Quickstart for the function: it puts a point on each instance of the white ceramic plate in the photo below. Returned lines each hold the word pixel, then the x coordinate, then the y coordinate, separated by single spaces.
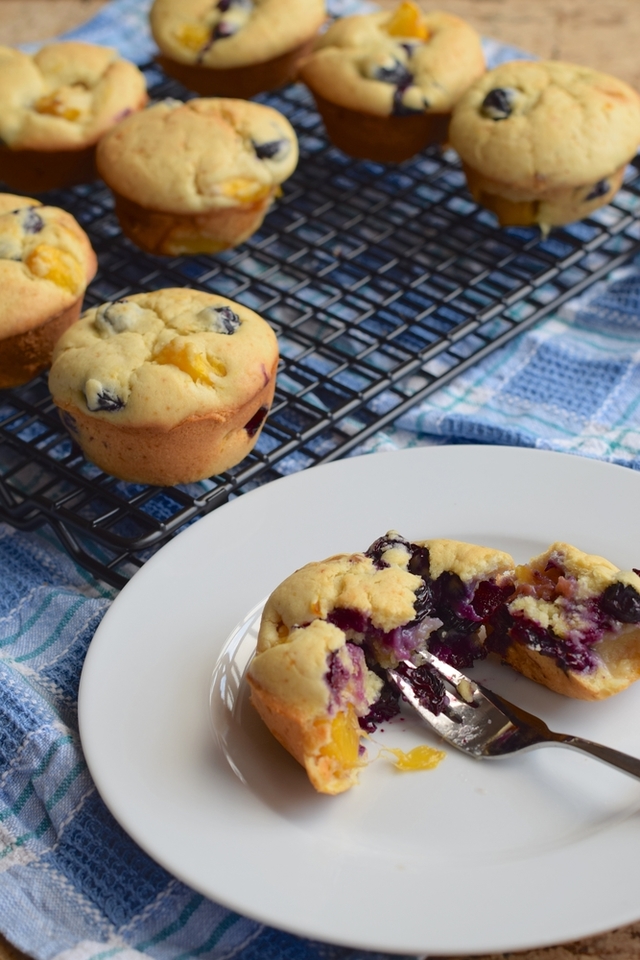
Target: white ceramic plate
pixel 470 857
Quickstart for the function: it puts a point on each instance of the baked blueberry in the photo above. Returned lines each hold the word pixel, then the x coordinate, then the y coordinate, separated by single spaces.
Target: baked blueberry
pixel 396 73
pixel 224 29
pixel 256 421
pixel 601 188
pixel 273 149
pixel 32 222
pixel 99 397
pixel 622 602
pixel 219 320
pixel 118 316
pixel 498 103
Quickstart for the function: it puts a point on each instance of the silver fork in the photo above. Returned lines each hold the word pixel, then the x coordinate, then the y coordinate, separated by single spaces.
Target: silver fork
pixel 485 725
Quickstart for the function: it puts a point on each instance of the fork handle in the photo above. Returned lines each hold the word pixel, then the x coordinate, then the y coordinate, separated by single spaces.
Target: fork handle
pixel 623 761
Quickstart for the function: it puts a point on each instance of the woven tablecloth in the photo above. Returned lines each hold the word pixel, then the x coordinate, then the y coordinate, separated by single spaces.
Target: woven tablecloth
pixel 73 885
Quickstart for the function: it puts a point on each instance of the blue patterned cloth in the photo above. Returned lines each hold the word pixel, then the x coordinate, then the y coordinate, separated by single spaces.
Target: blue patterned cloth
pixel 571 383
pixel 72 884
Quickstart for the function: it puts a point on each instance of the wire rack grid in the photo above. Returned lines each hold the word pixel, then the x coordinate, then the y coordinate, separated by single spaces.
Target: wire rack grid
pixel 382 282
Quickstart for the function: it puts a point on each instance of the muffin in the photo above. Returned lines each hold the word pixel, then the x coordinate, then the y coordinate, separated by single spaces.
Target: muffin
pixel 329 630
pixel 54 107
pixel 46 262
pixel 385 83
pixel 196 177
pixel 166 387
pixel 545 143
pixel 573 624
pixel 234 48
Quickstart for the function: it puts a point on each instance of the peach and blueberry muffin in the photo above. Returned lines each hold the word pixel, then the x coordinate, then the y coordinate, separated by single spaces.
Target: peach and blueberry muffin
pixel 385 83
pixel 46 262
pixel 234 48
pixel 166 387
pixel 545 142
pixel 330 629
pixel 196 177
pixel 573 624
pixel 55 105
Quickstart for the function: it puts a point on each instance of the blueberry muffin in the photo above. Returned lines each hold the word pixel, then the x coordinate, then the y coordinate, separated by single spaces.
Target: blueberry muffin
pixel 46 262
pixel 54 107
pixel 545 143
pixel 234 48
pixel 196 177
pixel 573 624
pixel 329 630
pixel 385 83
pixel 166 387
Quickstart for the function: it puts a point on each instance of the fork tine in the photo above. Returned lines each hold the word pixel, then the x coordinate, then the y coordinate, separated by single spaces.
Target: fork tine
pixel 472 721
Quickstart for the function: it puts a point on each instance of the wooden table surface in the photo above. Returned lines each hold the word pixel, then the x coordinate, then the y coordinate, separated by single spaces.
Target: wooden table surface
pixel 604 34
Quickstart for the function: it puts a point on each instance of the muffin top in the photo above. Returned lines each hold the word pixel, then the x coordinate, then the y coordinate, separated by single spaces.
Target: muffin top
pixel 46 262
pixel 191 157
pixel 347 581
pixel 159 359
pixel 395 63
pixel 65 96
pixel 233 33
pixel 467 560
pixel 542 125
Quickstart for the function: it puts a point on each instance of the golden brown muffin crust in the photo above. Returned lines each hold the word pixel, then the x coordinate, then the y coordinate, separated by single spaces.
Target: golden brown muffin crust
pixel 46 262
pixel 566 126
pixel 254 30
pixel 164 358
pixel 353 56
pixel 188 158
pixel 65 96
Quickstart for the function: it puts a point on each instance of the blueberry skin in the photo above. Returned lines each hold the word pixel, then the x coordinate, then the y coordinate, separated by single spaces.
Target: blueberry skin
pixel 498 103
pixel 223 30
pixel 272 149
pixel 107 400
pixel 256 421
pixel 621 602
pixel 601 188
pixel 32 222
pixel 221 320
pixel 397 74
pixel 399 108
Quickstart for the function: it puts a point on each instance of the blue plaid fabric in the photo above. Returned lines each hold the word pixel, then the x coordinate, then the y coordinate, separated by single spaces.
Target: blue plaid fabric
pixel 72 883
pixel 572 384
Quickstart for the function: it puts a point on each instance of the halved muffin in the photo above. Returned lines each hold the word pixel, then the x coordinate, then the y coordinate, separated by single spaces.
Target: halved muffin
pixel 573 624
pixel 329 630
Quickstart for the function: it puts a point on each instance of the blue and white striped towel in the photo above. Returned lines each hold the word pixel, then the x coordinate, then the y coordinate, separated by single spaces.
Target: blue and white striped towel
pixel 72 884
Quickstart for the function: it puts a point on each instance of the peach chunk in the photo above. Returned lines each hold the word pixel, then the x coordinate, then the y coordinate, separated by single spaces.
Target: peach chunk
pixel 245 190
pixel 344 745
pixel 407 21
pixel 193 35
pixel 55 106
pixel 58 266
pixel 193 361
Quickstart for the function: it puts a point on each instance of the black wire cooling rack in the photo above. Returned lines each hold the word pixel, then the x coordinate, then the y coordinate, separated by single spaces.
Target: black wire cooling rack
pixel 381 282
